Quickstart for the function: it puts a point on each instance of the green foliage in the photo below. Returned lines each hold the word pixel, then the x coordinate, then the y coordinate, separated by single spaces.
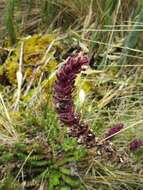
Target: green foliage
pixel 44 155
pixel 8 183
pixel 6 157
pixel 9 20
pixel 69 144
pixel 109 7
pixel 54 179
pixel 51 159
pixel 133 38
pixel 48 11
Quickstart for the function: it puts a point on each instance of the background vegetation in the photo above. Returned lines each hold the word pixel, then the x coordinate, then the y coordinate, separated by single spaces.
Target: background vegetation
pixel 35 37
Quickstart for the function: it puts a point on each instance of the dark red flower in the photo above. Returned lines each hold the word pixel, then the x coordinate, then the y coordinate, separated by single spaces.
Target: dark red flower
pixel 117 127
pixel 135 144
pixel 63 88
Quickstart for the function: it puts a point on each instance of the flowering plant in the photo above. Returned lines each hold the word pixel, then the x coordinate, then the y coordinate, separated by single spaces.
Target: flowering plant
pixel 63 88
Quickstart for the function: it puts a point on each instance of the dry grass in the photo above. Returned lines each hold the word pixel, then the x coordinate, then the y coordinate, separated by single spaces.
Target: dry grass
pixel 109 93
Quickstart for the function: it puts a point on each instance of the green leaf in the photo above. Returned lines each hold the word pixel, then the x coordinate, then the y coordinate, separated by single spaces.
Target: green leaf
pixel 79 153
pixel 133 38
pixel 20 145
pixel 70 181
pixel 69 144
pixel 6 157
pixel 38 163
pixel 9 20
pixel 54 179
pixel 65 188
pixel 66 171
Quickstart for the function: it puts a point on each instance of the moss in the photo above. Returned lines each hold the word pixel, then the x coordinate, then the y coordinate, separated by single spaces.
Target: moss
pixel 11 67
pixel 34 59
pixel 1 70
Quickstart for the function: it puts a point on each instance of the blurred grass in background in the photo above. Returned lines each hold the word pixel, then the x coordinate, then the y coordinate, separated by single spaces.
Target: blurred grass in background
pixel 104 25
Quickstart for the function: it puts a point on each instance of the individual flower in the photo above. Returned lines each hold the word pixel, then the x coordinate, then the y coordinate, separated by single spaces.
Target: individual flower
pixel 112 131
pixel 135 144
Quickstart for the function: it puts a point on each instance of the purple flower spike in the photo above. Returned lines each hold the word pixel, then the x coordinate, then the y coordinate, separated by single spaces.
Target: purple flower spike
pixel 63 88
pixel 117 127
pixel 135 144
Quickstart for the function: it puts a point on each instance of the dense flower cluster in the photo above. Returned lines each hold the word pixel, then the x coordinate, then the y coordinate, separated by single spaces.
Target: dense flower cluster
pixel 64 104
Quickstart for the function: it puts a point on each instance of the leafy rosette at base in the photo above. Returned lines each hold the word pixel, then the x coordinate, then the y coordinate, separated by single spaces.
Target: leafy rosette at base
pixel 64 105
